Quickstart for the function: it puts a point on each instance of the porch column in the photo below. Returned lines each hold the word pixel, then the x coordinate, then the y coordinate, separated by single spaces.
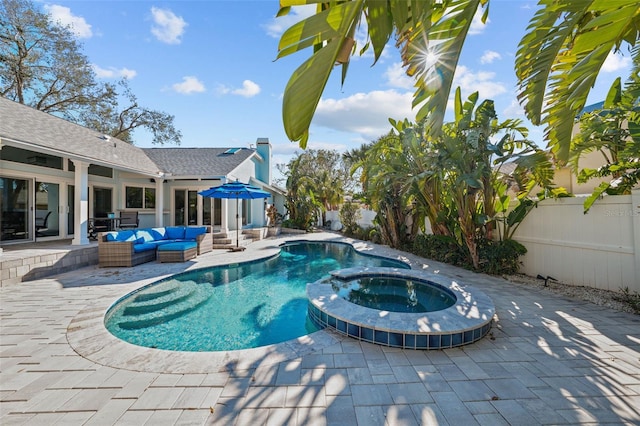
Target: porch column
pixel 159 202
pixel 81 210
pixel 224 215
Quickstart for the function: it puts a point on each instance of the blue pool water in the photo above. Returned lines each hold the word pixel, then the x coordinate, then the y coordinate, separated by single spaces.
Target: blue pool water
pixel 235 306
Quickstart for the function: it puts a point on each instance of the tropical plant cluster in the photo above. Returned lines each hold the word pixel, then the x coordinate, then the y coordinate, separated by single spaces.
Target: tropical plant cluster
pixel 473 184
pixel 315 182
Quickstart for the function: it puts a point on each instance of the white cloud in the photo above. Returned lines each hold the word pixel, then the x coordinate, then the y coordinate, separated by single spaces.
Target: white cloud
pixel 397 77
pixel 168 28
pixel 330 146
pixel 76 24
pixel 483 82
pixel 249 89
pixel 513 110
pixel 113 72
pixel 365 113
pixel 278 25
pixel 189 85
pixel 489 56
pixel 615 62
pixel 477 26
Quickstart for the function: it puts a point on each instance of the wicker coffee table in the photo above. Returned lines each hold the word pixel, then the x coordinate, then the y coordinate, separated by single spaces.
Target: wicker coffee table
pixel 177 252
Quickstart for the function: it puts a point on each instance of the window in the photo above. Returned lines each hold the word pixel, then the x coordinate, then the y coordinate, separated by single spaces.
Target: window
pixel 9 153
pixel 94 170
pixel 138 197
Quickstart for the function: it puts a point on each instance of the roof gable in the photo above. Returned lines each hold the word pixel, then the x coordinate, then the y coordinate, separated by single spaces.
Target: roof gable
pixel 28 128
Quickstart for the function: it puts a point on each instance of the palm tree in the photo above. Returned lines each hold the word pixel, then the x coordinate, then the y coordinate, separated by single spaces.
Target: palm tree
pixel 383 174
pixel 558 59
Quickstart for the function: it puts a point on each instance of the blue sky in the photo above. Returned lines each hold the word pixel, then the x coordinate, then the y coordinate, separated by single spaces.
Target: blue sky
pixel 212 65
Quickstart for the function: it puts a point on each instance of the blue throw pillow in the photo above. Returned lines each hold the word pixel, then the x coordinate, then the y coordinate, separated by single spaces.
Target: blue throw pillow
pixel 192 232
pixel 158 233
pixel 111 236
pixel 126 236
pixel 145 234
pixel 175 232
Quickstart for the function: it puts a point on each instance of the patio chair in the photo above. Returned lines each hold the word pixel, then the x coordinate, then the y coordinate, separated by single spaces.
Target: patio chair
pixel 42 219
pixel 129 220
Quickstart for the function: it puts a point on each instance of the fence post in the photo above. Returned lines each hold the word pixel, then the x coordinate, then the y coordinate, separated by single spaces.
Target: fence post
pixel 635 215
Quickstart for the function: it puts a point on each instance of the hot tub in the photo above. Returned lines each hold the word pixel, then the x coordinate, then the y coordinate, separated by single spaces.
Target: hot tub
pixel 465 321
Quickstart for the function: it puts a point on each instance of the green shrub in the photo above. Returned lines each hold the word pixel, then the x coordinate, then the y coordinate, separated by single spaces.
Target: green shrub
pixel 500 257
pixel 496 257
pixel 349 215
pixel 441 248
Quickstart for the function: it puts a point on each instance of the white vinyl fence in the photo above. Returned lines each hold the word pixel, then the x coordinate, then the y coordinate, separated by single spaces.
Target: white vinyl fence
pixel 600 249
pixel 365 220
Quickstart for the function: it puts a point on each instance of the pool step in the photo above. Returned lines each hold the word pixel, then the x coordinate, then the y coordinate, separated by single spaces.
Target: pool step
pixel 179 303
pixel 143 297
pixel 170 297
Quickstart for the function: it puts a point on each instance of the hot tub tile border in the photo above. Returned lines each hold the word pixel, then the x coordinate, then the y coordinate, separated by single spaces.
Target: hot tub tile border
pixel 399 330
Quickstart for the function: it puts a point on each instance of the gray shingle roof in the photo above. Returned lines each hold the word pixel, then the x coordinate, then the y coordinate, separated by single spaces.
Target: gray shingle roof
pixel 41 131
pixel 198 162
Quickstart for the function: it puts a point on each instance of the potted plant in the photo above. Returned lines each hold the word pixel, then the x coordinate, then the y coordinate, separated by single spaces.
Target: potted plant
pixel 275 220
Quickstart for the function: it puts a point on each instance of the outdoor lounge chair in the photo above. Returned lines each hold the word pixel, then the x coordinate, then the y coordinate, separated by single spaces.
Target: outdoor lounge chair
pixel 129 220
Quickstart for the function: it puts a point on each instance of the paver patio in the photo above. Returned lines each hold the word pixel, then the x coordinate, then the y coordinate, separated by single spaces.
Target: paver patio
pixel 548 360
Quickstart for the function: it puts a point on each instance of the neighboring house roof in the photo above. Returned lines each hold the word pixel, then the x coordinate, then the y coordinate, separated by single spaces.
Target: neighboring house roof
pixel 591 108
pixel 28 128
pixel 204 163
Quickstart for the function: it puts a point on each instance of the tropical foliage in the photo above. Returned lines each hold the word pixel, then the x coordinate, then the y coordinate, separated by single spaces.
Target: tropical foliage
pixel 456 180
pixel 429 35
pixel 557 62
pixel 614 132
pixel 315 182
pixel 559 58
pixel 42 65
pixel 349 215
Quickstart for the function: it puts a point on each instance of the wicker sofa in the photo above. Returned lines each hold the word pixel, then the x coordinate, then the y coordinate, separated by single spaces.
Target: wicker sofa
pixel 133 247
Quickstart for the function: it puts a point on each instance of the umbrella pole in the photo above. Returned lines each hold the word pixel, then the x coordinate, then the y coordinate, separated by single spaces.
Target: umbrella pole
pixel 237 223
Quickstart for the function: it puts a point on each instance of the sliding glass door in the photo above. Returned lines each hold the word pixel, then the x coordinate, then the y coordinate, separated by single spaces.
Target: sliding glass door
pixel 47 216
pixel 185 204
pixel 15 204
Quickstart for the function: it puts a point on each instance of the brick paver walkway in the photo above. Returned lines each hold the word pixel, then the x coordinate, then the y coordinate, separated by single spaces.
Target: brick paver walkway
pixel 548 360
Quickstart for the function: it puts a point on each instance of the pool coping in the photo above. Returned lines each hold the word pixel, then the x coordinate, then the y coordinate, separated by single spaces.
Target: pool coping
pixel 466 321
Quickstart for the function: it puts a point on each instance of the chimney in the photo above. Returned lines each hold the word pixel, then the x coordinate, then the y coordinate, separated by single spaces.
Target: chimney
pixel 263 148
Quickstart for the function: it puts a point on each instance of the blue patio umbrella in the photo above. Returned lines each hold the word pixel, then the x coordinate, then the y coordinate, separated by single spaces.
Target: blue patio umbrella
pixel 235 190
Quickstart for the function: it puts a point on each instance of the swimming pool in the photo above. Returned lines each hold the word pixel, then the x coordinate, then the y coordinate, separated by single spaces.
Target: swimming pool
pixel 233 307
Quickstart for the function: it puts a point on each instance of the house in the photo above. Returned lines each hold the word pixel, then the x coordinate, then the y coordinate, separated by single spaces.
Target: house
pixel 56 176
